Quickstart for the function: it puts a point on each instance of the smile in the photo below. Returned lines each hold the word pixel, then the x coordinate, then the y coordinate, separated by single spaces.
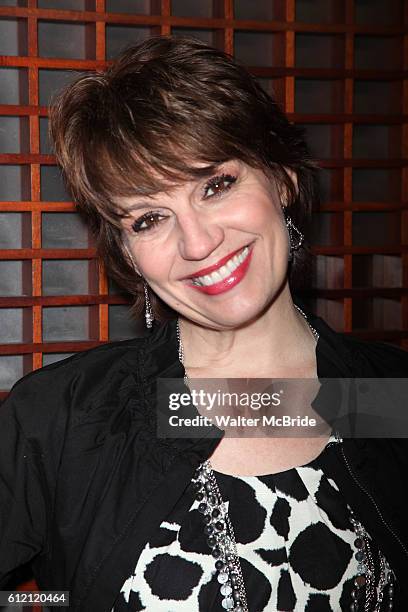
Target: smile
pixel 226 276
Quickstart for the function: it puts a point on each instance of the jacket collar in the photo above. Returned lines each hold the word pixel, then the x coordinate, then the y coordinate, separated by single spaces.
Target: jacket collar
pixel 334 357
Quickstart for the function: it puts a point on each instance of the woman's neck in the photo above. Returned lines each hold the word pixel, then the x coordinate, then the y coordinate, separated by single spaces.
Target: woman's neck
pixel 278 343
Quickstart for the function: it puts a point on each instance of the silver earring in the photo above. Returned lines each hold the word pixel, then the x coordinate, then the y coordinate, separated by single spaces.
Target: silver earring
pixel 148 307
pixel 133 261
pixel 295 241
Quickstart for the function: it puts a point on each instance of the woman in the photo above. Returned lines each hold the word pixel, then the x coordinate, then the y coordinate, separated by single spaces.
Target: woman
pixel 197 189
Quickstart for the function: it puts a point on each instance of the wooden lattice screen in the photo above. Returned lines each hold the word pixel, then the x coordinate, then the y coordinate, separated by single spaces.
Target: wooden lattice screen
pixel 338 67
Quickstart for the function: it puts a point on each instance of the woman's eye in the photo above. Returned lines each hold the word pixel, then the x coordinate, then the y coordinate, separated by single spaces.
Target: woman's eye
pixel 146 222
pixel 218 185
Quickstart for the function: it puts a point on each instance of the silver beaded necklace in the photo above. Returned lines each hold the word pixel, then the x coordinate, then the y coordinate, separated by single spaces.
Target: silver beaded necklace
pixel 221 539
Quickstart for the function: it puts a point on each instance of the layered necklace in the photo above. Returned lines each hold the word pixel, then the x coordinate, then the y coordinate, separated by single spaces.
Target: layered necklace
pixel 367 594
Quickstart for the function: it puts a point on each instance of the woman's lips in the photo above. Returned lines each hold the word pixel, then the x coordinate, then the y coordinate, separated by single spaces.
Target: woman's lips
pixel 217 266
pixel 226 283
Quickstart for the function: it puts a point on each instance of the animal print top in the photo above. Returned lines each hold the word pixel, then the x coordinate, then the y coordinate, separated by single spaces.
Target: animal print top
pixel 294 539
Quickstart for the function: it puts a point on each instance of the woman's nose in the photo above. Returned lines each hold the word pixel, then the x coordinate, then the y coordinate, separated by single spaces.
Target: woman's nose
pixel 198 238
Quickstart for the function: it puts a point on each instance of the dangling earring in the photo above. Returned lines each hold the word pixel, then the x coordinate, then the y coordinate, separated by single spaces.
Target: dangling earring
pixel 294 241
pixel 148 307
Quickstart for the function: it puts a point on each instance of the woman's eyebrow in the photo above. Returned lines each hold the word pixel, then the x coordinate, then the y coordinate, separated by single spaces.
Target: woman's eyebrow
pixel 139 205
pixel 150 203
pixel 206 171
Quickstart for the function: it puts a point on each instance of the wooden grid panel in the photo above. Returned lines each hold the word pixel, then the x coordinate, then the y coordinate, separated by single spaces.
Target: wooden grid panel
pixel 320 64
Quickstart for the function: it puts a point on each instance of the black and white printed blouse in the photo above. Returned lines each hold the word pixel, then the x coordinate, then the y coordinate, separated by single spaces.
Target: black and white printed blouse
pixel 294 539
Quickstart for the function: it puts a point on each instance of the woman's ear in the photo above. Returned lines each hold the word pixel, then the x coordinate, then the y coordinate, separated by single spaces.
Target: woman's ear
pixel 284 193
pixel 293 178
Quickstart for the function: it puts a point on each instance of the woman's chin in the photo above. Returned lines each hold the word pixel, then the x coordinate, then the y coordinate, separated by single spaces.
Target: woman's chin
pixel 237 314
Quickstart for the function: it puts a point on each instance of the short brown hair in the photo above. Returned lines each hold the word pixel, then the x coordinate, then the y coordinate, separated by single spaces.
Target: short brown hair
pixel 162 106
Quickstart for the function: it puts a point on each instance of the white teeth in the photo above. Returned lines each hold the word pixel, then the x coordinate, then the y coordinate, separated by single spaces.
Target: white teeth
pixel 216 276
pixel 243 255
pixel 231 265
pixel 223 272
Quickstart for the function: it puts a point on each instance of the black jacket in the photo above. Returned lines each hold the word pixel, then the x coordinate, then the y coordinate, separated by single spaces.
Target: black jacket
pixel 85 480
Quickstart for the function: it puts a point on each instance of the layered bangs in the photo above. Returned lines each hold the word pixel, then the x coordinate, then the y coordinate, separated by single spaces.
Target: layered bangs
pixel 141 129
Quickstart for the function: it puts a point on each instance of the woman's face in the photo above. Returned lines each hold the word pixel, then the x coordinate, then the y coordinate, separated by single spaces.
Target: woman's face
pixel 214 249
